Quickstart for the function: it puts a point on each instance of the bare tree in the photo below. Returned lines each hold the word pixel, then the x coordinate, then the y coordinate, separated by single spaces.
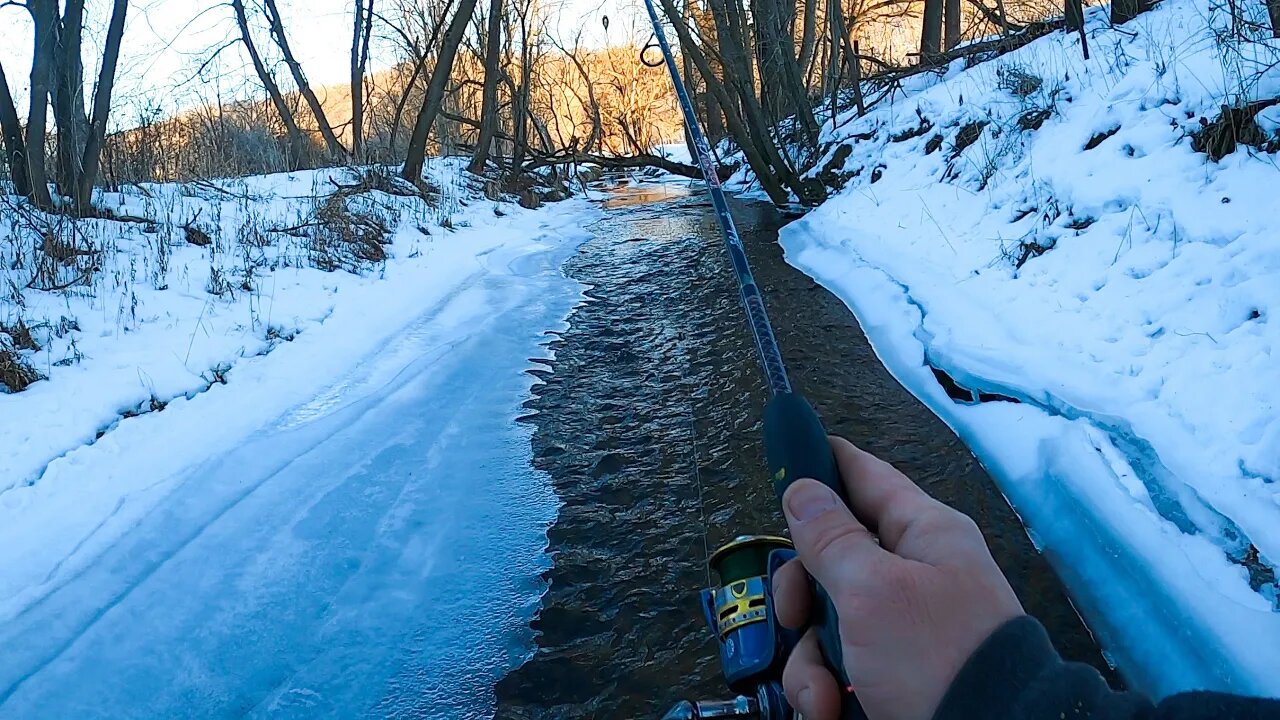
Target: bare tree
pixel 521 90
pixel 784 94
pixel 15 148
pixel 44 15
pixel 931 31
pixel 361 32
pixel 744 117
pixel 416 156
pixel 276 23
pixel 432 18
pixel 835 36
pixel 69 114
pixel 809 36
pixel 951 24
pixel 90 158
pixel 489 102
pixel 1000 11
pixel 57 73
pixel 299 149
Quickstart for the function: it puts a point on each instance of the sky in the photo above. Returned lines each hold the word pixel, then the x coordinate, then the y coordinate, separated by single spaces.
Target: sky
pixel 166 40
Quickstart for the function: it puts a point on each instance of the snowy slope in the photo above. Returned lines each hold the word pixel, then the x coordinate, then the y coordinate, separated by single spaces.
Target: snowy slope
pixel 282 541
pixel 1039 227
pixel 165 319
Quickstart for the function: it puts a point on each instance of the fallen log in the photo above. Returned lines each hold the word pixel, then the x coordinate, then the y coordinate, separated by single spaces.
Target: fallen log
pixel 626 162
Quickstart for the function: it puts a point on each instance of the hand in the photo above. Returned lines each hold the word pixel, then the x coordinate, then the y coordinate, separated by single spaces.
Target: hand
pixel 913 606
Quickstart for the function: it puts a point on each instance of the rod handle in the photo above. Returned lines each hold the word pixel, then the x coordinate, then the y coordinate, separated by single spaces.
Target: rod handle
pixel 796 446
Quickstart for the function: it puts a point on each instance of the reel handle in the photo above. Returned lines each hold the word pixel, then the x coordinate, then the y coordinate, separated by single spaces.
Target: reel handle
pixel 796 446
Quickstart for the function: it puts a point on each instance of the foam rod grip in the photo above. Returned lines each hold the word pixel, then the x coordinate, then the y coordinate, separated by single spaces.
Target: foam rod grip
pixel 796 446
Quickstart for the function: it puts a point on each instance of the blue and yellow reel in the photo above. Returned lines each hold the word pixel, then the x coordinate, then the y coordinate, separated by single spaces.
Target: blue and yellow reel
pixel 753 646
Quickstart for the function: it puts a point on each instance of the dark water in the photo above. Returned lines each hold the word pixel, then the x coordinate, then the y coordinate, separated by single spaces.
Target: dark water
pixel 649 423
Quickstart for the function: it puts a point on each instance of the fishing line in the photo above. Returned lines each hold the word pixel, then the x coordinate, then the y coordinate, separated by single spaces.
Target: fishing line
pixel 702 501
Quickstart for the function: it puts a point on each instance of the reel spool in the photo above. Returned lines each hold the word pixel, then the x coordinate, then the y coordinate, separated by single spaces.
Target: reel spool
pixel 753 645
pixel 739 612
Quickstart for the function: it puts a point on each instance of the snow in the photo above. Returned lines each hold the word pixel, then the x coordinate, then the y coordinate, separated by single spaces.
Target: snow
pixel 289 542
pixel 150 327
pixel 1145 450
pixel 676 152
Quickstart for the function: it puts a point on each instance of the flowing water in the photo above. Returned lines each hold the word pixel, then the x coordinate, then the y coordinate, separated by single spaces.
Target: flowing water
pixel 649 425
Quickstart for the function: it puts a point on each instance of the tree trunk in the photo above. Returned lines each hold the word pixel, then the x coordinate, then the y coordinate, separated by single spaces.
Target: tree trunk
pixel 416 156
pixel 1004 17
pixel 784 93
pixel 808 38
pixel 418 68
pixel 1273 12
pixel 751 145
pixel 691 86
pixel 856 62
pixel 715 118
pixel 300 79
pixel 1122 11
pixel 297 142
pixel 90 159
pixel 15 149
pixel 1073 14
pixel 397 118
pixel 360 33
pixel 597 125
pixel 736 63
pixel 521 114
pixel 489 100
pixel 44 15
pixel 68 100
pixel 951 19
pixel 835 69
pixel 931 32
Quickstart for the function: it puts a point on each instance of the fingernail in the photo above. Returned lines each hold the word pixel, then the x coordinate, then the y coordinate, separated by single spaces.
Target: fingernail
pixel 807 499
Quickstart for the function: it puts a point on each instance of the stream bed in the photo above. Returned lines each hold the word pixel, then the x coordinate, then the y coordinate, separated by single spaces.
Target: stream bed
pixel 648 422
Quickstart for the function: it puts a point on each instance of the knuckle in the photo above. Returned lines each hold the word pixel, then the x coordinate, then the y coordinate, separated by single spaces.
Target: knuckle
pixel 962 533
pixel 942 521
pixel 964 525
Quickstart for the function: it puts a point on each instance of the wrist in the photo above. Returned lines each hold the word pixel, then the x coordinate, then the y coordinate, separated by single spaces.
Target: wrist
pixel 992 680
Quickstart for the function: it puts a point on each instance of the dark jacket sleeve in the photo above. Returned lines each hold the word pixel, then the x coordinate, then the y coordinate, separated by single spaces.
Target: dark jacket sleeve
pixel 1017 675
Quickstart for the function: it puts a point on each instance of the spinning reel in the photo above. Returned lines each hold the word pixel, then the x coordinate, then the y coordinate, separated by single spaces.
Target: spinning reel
pixel 753 646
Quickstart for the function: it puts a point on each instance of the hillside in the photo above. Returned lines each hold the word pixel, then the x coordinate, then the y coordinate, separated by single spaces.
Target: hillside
pixel 1062 261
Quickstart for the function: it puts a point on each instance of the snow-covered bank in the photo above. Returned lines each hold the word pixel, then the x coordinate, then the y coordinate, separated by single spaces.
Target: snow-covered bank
pixel 1040 227
pixel 166 313
pixel 284 539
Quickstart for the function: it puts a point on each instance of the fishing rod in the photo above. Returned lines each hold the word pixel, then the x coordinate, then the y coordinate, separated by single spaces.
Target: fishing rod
pixel 753 645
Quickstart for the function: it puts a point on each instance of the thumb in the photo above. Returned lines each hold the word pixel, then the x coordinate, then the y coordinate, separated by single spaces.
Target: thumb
pixel 835 548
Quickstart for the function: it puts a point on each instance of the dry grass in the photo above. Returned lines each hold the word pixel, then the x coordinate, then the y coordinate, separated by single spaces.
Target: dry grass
pixel 1234 126
pixel 344 237
pixel 16 374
